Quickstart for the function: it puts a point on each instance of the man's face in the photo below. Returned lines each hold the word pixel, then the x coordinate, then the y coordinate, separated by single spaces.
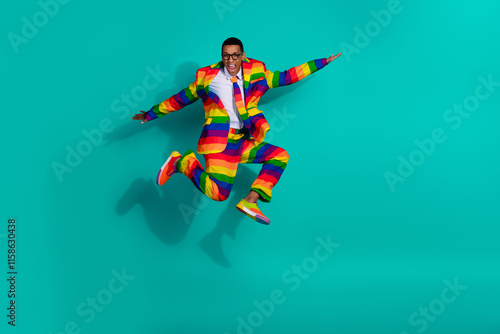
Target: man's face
pixel 232 66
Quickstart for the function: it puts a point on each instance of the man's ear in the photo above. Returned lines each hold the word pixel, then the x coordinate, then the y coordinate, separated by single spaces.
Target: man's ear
pixel 243 55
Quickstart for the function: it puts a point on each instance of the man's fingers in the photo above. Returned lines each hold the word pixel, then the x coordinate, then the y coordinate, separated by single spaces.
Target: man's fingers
pixel 139 116
pixel 332 57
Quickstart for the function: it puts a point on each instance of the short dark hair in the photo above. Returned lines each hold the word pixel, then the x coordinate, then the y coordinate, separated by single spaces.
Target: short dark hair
pixel 232 41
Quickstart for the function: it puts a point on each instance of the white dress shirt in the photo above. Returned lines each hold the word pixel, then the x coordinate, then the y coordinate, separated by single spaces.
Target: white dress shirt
pixel 222 86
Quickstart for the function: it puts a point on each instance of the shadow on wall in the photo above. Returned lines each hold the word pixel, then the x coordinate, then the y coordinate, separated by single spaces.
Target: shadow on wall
pixel 160 206
pixel 180 127
pixel 230 218
pixel 164 216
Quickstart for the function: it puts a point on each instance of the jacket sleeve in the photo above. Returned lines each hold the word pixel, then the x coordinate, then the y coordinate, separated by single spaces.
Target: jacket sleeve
pixel 288 77
pixel 175 102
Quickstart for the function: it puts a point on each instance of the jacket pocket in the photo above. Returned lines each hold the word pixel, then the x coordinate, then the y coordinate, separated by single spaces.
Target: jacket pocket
pixel 253 111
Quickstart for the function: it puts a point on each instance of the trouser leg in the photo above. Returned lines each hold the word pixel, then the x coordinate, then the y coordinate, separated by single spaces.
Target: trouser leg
pixel 217 180
pixel 274 160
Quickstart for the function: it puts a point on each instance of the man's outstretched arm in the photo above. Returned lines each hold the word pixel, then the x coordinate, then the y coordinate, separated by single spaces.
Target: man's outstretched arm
pixel 176 102
pixel 295 74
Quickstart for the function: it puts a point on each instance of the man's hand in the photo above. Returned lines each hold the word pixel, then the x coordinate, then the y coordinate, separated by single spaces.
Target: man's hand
pixel 332 57
pixel 141 116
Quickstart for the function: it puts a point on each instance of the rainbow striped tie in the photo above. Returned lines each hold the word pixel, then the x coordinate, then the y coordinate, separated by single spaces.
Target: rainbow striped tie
pixel 237 96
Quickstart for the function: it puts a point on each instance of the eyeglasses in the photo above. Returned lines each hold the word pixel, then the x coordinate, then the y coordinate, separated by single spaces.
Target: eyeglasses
pixel 235 56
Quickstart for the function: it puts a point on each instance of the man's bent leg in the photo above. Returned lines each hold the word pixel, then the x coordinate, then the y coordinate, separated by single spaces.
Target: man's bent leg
pixel 217 181
pixel 274 160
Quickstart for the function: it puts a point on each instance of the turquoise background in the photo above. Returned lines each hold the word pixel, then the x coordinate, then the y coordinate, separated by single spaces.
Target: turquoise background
pixel 344 128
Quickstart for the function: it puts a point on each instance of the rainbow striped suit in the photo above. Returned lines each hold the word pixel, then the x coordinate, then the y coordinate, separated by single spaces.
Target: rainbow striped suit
pixel 224 148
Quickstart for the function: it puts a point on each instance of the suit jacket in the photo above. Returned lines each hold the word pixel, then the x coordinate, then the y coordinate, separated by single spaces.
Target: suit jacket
pixel 257 81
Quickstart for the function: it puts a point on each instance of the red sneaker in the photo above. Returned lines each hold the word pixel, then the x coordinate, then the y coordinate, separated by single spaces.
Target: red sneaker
pixel 168 169
pixel 252 211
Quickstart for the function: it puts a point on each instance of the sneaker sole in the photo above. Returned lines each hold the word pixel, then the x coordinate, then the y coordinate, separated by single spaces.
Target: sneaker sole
pixel 161 171
pixel 258 218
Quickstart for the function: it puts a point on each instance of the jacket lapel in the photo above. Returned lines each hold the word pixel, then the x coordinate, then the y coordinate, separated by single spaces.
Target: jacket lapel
pixel 247 70
pixel 214 70
pixel 209 76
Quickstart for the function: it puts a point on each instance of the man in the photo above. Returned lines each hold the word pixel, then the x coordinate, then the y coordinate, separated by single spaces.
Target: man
pixel 234 128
